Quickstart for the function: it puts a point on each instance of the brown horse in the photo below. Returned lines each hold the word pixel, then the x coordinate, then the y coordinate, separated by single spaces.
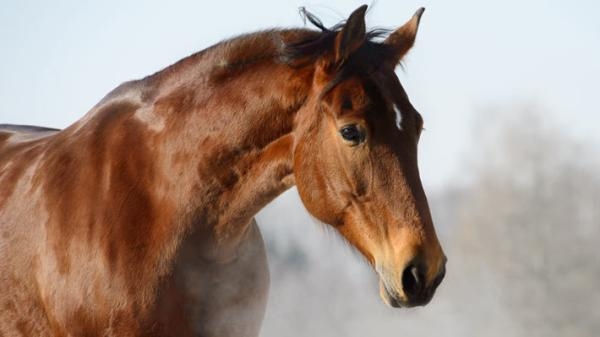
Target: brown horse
pixel 133 220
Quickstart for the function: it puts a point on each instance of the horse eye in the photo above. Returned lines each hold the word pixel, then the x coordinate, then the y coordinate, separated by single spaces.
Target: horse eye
pixel 352 134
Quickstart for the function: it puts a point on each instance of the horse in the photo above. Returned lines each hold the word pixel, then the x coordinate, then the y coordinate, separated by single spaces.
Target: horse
pixel 137 220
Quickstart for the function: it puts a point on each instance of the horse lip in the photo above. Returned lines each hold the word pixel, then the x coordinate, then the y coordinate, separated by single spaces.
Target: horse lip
pixel 394 299
pixel 391 298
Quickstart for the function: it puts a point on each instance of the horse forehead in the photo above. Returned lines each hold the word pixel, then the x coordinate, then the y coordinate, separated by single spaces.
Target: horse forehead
pixel 351 87
pixel 394 95
pixel 355 90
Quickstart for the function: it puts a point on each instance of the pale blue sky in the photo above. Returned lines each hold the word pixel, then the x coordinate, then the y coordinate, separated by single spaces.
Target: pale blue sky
pixel 60 57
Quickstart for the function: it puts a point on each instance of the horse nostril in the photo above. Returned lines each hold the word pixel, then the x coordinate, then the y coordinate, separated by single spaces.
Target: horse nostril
pixel 412 281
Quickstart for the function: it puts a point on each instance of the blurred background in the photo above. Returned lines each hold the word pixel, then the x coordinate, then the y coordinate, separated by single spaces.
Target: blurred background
pixel 509 159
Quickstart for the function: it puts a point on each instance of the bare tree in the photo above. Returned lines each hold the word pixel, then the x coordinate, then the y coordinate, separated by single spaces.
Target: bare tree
pixel 531 218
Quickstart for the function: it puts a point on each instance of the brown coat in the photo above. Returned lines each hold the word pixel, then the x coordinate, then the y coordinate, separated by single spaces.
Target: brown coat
pixel 104 224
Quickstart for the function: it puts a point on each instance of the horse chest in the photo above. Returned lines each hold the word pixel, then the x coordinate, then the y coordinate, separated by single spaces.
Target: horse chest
pixel 219 299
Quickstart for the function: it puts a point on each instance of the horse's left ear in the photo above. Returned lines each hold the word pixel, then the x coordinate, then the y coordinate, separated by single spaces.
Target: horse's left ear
pixel 403 38
pixel 352 35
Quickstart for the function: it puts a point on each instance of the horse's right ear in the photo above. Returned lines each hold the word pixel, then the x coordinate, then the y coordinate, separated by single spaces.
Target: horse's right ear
pixel 351 37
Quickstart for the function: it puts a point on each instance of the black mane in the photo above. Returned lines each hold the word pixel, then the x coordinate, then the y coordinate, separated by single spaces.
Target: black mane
pixel 365 60
pixel 299 47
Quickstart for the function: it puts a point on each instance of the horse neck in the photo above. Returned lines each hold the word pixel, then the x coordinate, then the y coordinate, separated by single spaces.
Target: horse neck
pixel 228 138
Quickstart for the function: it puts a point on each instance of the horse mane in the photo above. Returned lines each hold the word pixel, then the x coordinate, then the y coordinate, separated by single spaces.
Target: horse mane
pixel 367 59
pixel 295 47
pixel 316 45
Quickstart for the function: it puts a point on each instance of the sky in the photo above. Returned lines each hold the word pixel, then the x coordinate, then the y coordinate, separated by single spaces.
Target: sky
pixel 60 57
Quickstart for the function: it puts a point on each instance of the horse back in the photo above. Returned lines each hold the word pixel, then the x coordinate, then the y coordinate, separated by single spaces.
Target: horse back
pixel 20 148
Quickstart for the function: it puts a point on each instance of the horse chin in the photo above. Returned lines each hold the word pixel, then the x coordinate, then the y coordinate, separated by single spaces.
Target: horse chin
pixel 388 298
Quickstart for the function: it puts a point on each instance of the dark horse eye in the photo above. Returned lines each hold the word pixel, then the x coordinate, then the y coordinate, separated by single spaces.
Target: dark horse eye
pixel 352 134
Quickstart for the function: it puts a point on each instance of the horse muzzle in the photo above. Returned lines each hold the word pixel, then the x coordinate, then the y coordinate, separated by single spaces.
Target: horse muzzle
pixel 413 290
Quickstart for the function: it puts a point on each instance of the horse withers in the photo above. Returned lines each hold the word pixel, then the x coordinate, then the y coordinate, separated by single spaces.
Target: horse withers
pixel 130 221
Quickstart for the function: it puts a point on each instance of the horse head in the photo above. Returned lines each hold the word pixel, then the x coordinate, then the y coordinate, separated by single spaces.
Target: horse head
pixel 355 156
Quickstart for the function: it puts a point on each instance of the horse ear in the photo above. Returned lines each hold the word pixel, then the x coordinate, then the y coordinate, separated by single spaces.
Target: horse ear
pixel 402 39
pixel 352 35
